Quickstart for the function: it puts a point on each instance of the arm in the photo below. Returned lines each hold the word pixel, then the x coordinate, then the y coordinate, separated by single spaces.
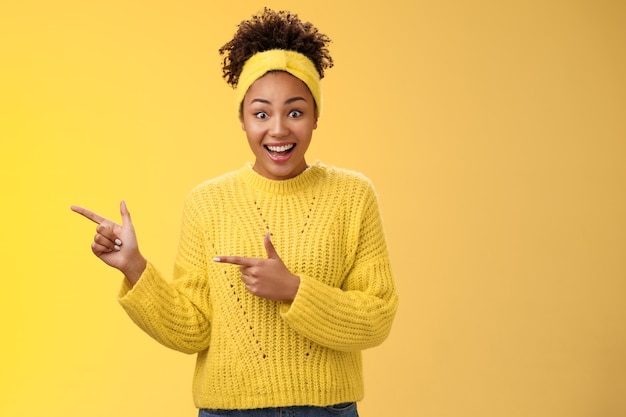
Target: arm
pixel 358 315
pixel 171 314
pixel 176 314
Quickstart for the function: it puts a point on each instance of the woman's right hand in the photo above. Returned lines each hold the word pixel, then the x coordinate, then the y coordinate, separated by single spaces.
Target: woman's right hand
pixel 116 245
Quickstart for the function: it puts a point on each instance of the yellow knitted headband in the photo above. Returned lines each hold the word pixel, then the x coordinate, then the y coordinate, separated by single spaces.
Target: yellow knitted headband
pixel 292 62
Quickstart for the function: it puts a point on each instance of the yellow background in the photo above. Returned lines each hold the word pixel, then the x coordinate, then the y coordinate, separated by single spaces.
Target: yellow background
pixel 494 131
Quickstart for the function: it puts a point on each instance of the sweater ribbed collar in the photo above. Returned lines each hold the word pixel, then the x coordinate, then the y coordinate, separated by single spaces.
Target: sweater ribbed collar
pixel 308 178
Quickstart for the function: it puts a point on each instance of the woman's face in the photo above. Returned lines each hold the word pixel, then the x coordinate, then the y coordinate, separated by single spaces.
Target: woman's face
pixel 279 117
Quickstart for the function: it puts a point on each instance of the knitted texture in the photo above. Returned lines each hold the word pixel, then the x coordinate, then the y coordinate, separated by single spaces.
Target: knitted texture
pixel 252 352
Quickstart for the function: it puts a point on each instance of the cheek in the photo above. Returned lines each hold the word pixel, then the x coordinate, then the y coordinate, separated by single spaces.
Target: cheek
pixel 307 131
pixel 252 131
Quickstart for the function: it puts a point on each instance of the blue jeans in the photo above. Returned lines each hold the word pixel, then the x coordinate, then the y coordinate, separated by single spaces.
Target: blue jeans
pixel 338 410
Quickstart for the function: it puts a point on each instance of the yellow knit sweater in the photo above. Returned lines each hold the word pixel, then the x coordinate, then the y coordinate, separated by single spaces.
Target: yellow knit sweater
pixel 255 353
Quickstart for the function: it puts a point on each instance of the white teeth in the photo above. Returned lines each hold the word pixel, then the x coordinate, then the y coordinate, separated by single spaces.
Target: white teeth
pixel 282 148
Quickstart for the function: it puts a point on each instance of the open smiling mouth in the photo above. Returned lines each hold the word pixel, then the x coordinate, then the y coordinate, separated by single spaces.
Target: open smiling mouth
pixel 278 152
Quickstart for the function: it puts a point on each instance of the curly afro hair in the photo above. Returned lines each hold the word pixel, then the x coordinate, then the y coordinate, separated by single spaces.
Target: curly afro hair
pixel 274 30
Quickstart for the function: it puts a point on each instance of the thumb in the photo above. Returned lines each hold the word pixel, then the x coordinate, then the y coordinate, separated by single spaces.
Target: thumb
pixel 269 247
pixel 125 214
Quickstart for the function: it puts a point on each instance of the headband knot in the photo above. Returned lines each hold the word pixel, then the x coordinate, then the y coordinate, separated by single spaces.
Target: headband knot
pixel 295 63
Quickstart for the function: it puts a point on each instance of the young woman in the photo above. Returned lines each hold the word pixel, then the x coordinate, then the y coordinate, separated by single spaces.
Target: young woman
pixel 282 276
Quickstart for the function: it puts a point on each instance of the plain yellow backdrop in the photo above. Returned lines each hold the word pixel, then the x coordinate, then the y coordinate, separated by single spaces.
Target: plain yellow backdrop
pixel 494 131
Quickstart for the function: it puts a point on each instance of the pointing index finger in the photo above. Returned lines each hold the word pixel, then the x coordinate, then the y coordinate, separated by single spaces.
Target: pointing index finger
pixel 94 217
pixel 235 260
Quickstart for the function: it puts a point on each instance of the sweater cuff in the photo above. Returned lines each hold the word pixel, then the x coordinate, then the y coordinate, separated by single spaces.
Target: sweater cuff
pixel 128 292
pixel 311 296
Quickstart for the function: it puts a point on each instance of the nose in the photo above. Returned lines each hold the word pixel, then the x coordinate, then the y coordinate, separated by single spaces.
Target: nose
pixel 279 127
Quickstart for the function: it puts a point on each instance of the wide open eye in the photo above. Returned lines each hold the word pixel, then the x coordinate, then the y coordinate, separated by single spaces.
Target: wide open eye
pixel 295 113
pixel 261 115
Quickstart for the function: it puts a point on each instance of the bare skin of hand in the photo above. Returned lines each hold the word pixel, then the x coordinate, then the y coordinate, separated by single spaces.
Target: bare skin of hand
pixel 266 278
pixel 115 244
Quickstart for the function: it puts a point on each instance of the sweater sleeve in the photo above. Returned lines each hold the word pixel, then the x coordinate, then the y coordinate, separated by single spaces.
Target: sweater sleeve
pixel 358 315
pixel 175 314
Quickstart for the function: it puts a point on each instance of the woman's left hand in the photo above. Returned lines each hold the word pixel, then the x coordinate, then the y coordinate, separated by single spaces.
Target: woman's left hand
pixel 267 278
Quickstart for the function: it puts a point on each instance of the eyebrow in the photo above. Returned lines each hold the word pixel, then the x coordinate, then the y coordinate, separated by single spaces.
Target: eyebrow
pixel 288 101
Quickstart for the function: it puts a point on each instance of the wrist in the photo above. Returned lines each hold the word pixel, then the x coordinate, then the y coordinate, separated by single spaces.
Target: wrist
pixel 293 290
pixel 135 270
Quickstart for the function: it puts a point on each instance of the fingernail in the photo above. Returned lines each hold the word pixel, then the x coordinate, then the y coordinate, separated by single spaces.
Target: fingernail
pixel 217 260
pixel 118 242
pixel 117 247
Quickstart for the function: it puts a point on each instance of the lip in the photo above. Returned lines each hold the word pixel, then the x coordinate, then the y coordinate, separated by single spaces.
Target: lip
pixel 280 158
